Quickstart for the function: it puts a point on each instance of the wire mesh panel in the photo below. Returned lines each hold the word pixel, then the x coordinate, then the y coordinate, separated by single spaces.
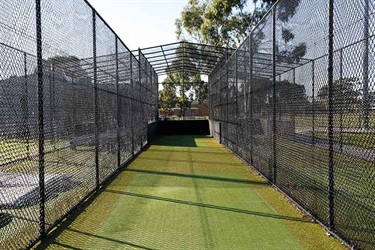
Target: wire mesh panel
pixel 125 92
pixel 70 100
pixel 136 105
pixel 143 90
pixel 68 105
pixel 262 97
pixel 301 162
pixel 353 121
pixel 18 213
pixel 307 120
pixel 18 131
pixel 242 105
pixel 107 98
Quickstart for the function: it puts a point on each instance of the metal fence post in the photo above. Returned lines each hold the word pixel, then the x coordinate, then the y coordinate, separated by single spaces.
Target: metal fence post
pixel 251 53
pixel 96 101
pixel 26 110
pixel 236 98
pixel 52 103
pixel 39 44
pixel 341 102
pixel 274 137
pixel 132 101
pixel 365 72
pixel 330 118
pixel 118 103
pixel 140 87
pixel 313 102
pixel 74 113
pixel 156 82
pixel 226 133
pixel 220 134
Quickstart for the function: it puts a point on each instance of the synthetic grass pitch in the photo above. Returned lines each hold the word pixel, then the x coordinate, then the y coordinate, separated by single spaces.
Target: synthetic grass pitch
pixel 188 192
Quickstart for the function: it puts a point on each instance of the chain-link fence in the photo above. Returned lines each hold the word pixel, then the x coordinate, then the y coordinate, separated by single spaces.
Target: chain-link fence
pixel 297 102
pixel 75 105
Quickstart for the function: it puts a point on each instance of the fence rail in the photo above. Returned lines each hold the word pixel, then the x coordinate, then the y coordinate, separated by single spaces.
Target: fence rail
pixel 297 102
pixel 75 106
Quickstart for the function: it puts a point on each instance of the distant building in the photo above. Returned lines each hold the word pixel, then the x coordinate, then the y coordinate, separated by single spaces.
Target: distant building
pixel 196 109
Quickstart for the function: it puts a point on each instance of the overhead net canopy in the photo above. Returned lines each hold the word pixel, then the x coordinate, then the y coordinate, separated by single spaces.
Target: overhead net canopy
pixel 202 58
pixel 184 56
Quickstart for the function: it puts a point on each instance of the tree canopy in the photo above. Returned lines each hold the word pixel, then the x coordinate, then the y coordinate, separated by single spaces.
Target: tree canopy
pixel 218 22
pixel 227 23
pixel 181 88
pixel 168 95
pixel 346 94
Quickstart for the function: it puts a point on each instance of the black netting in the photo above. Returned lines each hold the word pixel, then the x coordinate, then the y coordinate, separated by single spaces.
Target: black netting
pixel 272 103
pixel 76 104
pixel 96 108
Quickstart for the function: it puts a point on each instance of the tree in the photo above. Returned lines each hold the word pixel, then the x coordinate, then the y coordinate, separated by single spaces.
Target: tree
pixel 186 81
pixel 67 67
pixel 290 97
pixel 185 86
pixel 167 97
pixel 218 22
pixel 226 23
pixel 201 92
pixel 346 94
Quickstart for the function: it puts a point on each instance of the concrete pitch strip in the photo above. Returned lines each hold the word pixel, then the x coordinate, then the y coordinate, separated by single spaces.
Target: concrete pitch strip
pixel 22 190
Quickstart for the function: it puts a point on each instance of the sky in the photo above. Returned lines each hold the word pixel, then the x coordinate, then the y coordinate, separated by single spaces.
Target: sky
pixel 141 23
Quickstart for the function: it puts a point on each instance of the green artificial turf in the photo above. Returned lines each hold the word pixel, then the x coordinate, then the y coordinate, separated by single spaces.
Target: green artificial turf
pixel 189 192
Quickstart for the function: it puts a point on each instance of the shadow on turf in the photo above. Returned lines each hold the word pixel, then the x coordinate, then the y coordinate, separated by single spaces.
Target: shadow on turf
pixel 205 177
pixel 51 239
pixel 177 140
pixel 213 163
pixel 216 152
pixel 101 238
pixel 203 205
pixel 65 222
pixel 5 219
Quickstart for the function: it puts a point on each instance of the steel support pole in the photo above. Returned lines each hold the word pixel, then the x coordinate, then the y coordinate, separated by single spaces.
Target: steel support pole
pixel 330 117
pixel 26 109
pixel 313 102
pixel 118 103
pixel 96 102
pixel 274 127
pixel 236 97
pixel 52 104
pixel 342 101
pixel 74 115
pixel 227 99
pixel 220 134
pixel 39 44
pixel 132 102
pixel 365 72
pixel 140 88
pixel 251 54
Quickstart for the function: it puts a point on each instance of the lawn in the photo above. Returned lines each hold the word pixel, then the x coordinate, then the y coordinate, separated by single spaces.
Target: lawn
pixel 189 192
pixel 349 120
pixel 363 140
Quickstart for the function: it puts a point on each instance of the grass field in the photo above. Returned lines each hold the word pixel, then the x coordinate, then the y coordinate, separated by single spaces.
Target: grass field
pixel 189 193
pixel 349 120
pixel 363 140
